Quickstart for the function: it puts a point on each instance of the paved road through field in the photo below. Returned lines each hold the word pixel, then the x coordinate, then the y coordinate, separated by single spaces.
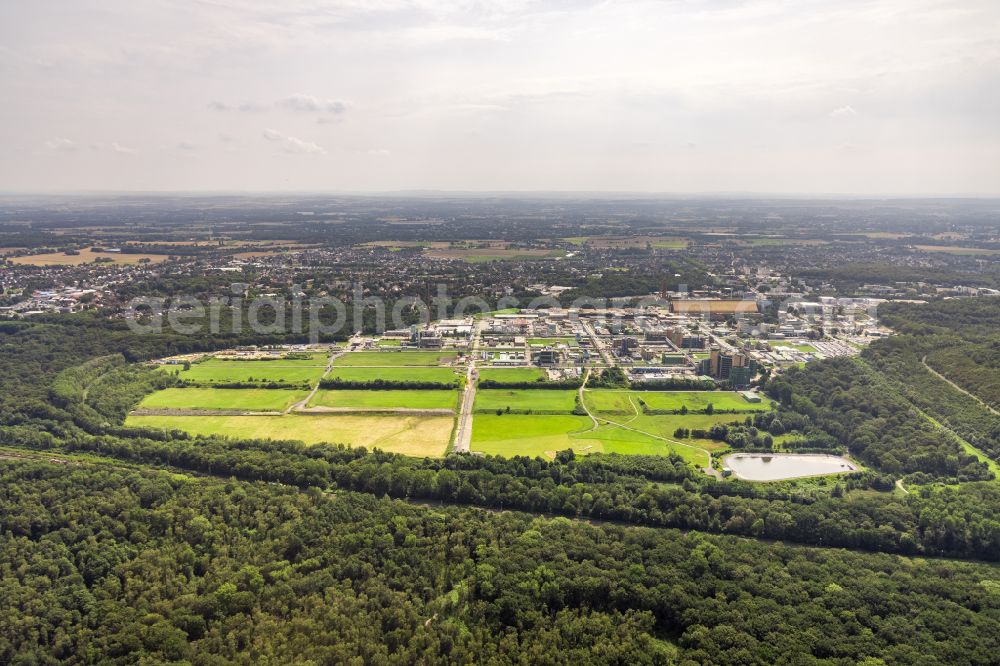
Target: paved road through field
pixel 463 431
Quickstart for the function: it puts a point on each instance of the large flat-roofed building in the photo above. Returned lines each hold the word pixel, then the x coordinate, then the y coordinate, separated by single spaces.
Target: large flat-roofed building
pixel 713 308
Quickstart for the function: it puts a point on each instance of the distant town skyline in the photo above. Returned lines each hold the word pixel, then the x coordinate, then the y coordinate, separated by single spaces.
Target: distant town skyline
pixel 820 97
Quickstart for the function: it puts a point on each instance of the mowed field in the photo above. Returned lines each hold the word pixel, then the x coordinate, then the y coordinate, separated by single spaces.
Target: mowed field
pixel 256 400
pixel 521 435
pixel 538 400
pixel 86 256
pixel 627 402
pixel 483 255
pixel 408 435
pixel 395 374
pixel 541 342
pixel 543 436
pixel 385 399
pixel 952 249
pixel 395 359
pixel 214 371
pixel 622 242
pixel 512 374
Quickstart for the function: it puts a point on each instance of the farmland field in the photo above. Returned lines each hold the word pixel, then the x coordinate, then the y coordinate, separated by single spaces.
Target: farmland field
pixel 386 399
pixel 599 400
pixel 85 257
pixel 664 426
pixel 629 442
pixel 539 400
pixel 476 255
pixel 952 249
pixel 531 435
pixel 409 435
pixel 395 374
pixel 512 374
pixel 221 398
pixel 395 359
pixel 519 435
pixel 622 242
pixel 221 372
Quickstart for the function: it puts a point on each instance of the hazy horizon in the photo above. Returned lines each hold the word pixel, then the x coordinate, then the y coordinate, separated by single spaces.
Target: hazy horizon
pixel 823 98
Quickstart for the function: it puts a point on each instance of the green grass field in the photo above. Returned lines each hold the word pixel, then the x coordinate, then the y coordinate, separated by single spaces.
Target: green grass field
pixel 316 359
pixel 389 342
pixel 223 372
pixel 396 374
pixel 665 425
pixel 253 400
pixel 386 399
pixel 520 435
pixel 512 374
pixel 553 341
pixel 409 435
pixel 539 400
pixel 395 359
pixel 482 315
pixel 531 435
pixel 600 400
pixel 629 442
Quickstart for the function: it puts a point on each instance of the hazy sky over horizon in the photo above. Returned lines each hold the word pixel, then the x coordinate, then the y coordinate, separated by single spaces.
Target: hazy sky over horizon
pixel 788 96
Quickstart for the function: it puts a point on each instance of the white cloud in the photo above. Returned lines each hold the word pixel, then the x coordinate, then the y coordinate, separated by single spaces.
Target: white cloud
pixel 843 112
pixel 297 103
pixel 62 144
pixel 559 94
pixel 122 150
pixel 310 104
pixel 291 144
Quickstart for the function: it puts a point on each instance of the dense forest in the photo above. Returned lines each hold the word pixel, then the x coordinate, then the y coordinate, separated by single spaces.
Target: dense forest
pixel 845 399
pixel 943 345
pixel 102 564
pixel 957 338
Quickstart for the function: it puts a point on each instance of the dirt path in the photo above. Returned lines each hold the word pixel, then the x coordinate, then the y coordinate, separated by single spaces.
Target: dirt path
pixel 595 423
pixel 200 412
pixel 967 446
pixel 408 411
pixel 708 469
pixel 329 366
pixel 635 408
pixel 956 386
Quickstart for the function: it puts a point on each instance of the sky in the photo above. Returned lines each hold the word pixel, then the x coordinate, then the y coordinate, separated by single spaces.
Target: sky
pixel 894 97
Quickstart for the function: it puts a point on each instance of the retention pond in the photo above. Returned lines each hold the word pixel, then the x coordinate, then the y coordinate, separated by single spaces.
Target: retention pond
pixel 778 466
